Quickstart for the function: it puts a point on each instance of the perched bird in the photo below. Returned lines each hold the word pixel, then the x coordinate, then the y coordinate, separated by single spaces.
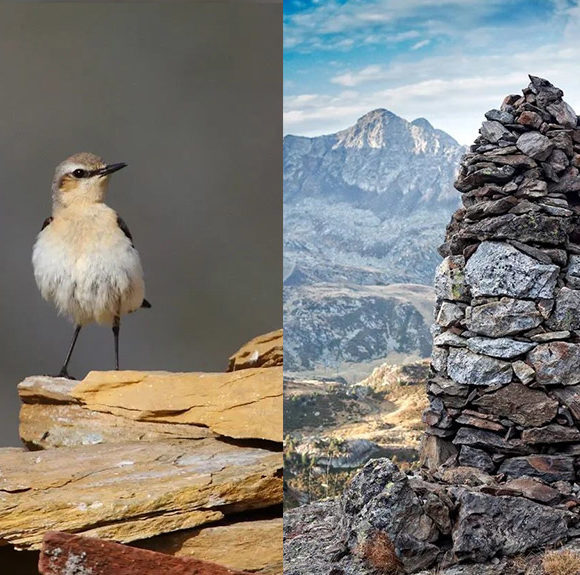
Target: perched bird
pixel 84 259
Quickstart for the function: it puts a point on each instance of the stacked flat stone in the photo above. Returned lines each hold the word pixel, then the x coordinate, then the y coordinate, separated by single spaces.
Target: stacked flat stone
pixel 505 387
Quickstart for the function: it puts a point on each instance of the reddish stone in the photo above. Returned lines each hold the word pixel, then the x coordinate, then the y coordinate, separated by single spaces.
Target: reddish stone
pixel 74 555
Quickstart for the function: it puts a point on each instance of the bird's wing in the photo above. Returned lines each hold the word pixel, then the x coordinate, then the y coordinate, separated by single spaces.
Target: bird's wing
pixel 46 222
pixel 125 229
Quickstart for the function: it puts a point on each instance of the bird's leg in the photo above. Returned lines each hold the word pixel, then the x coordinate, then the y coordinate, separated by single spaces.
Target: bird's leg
pixel 116 327
pixel 64 369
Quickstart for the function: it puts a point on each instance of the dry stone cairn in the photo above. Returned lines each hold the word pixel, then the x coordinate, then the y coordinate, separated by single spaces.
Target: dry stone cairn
pixel 505 391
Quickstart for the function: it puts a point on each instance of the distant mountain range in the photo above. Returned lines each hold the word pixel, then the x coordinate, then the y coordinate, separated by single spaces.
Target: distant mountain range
pixel 365 206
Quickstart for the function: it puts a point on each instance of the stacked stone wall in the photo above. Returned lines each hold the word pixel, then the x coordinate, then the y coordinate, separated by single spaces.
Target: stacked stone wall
pixel 505 391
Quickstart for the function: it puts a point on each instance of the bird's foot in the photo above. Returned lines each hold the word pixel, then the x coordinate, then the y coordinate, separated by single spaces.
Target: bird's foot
pixel 64 373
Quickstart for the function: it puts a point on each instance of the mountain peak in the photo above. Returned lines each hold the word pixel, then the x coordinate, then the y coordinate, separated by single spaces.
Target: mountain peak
pixel 422 123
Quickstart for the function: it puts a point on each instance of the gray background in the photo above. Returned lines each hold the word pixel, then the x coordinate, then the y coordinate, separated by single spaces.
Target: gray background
pixel 189 95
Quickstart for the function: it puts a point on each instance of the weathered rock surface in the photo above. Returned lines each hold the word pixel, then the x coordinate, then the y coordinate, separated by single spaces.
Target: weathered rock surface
pixel 491 526
pixel 245 404
pixel 547 467
pixel 130 491
pixel 556 363
pixel 502 347
pixel 254 546
pixel 499 269
pixel 66 554
pixel 51 417
pixel 471 368
pixel 380 498
pixel 263 351
pixel 519 403
pixel 504 317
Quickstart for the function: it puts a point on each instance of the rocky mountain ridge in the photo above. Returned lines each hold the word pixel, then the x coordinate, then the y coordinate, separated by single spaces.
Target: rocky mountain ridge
pixel 365 206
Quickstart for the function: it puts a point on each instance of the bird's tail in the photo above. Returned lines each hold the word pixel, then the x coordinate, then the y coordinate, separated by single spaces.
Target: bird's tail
pixel 145 304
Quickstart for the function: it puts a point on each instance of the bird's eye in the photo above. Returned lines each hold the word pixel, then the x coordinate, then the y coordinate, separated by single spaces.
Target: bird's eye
pixel 78 173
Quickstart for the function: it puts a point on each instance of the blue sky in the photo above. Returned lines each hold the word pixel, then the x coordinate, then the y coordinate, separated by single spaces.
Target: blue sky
pixel 448 61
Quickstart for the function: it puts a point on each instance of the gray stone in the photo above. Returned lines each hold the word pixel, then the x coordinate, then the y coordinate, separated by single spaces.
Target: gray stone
pixel 535 145
pixel 550 336
pixel 505 317
pixel 520 404
pixel 542 86
pixel 494 131
pixel 448 338
pixel 488 440
pixel 563 141
pixel 489 526
pixel 573 273
pixel 471 368
pixel 500 116
pixel 548 468
pixel 556 363
pixel 449 313
pixel 439 357
pixel 500 269
pixel 528 227
pixel 497 174
pixel 490 208
pixel 569 182
pixel 380 498
pixel 502 347
pixel 450 279
pixel 473 457
pixel 570 397
pixel 563 113
pixel 559 161
pixel 566 312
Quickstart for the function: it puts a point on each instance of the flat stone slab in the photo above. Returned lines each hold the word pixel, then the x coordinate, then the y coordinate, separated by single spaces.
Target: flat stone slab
pixel 244 404
pixel 131 491
pixel 50 417
pixel 254 546
pixel 66 554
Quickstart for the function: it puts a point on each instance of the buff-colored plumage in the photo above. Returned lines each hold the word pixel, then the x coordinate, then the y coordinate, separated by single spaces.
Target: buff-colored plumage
pixel 83 261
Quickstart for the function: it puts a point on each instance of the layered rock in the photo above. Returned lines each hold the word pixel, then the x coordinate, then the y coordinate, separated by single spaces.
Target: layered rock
pixel 187 464
pixel 506 360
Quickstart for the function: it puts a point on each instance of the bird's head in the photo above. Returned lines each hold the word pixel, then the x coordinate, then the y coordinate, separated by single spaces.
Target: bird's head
pixel 82 178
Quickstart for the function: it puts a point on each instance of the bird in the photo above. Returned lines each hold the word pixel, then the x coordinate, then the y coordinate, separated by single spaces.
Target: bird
pixel 84 258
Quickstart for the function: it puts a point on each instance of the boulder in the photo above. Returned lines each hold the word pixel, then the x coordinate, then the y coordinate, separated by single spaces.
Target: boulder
pixel 489 526
pixel 380 499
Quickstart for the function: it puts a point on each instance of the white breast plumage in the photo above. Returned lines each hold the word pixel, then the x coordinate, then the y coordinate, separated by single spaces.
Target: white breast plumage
pixel 87 266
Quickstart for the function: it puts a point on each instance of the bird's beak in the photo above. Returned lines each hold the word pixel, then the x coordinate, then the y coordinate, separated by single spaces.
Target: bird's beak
pixel 111 168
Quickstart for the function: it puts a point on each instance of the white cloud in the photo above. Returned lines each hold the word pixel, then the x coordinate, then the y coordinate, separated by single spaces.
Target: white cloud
pixel 420 44
pixel 452 92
